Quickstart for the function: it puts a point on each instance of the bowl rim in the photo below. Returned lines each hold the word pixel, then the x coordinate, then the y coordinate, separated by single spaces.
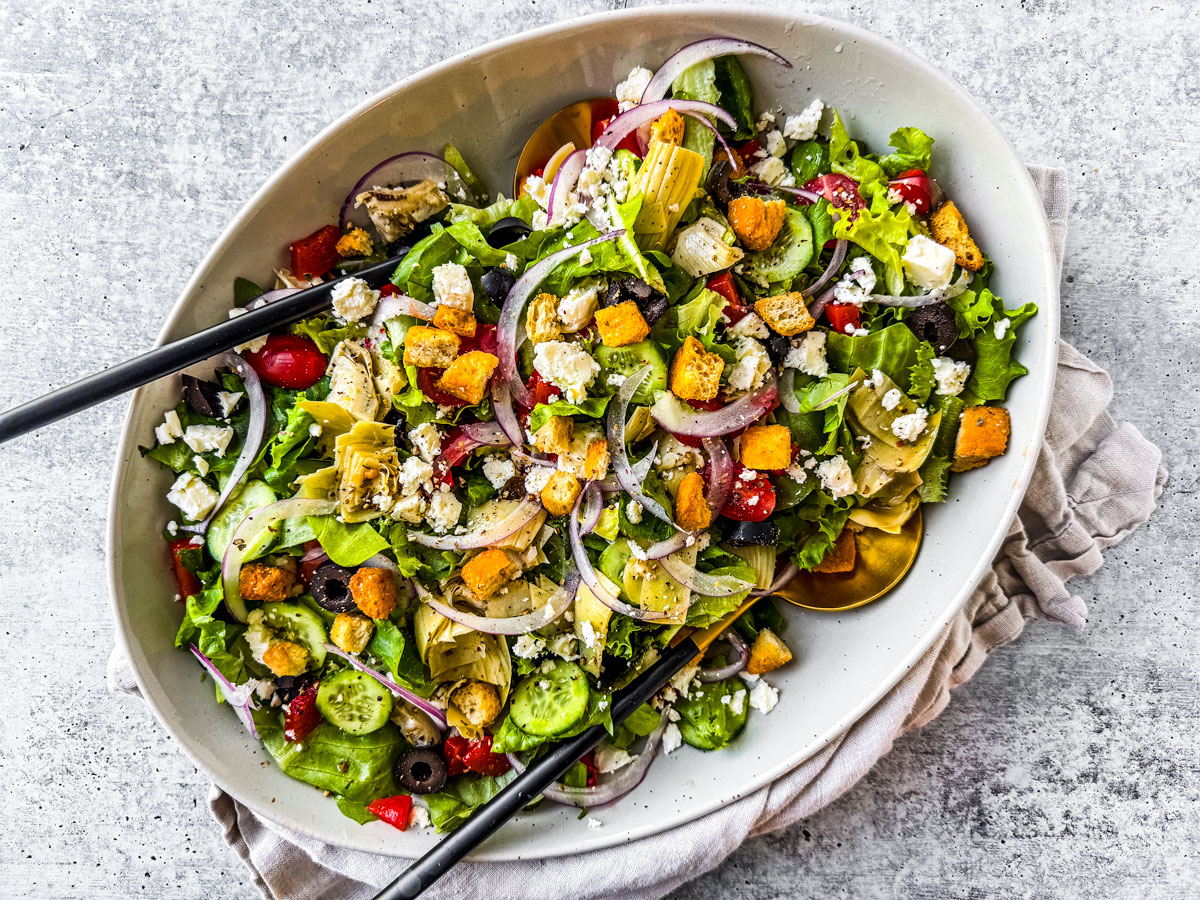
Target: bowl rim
pixel 1049 307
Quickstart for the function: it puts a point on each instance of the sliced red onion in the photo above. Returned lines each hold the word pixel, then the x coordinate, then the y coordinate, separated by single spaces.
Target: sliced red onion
pixel 255 433
pixel 617 408
pixel 674 543
pixel 640 470
pixel 435 715
pixel 818 306
pixel 645 114
pixel 835 263
pixel 250 527
pixel 701 582
pixel 624 781
pixel 677 419
pixel 554 607
pixel 698 51
pixel 588 574
pixel 738 643
pixel 938 295
pixel 554 163
pixel 564 183
pixel 798 193
pixel 476 434
pixel 316 555
pixel 787 391
pixel 272 296
pixel 407 168
pixel 401 305
pixel 510 330
pixel 788 573
pixel 484 535
pixel 720 473
pixel 506 417
pixel 593 505
pixel 239 697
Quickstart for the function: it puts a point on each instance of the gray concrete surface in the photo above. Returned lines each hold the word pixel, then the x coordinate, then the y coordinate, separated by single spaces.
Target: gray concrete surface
pixel 130 133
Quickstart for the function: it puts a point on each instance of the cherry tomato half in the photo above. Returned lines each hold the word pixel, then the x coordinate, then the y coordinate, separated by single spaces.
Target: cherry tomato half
pixel 724 285
pixel 427 380
pixel 839 190
pixel 541 389
pixel 913 187
pixel 484 339
pixel 393 810
pixel 289 361
pixel 316 254
pixel 843 317
pixel 749 501
pixel 185 581
pixel 310 563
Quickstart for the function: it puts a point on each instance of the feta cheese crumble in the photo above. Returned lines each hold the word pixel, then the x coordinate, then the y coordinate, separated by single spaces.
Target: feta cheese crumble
pixel 610 758
pixel 170 430
pixel 629 92
pixel 452 287
pixel 498 470
pixel 566 366
pixel 444 510
pixel 576 309
pixel 803 127
pixel 671 739
pixel 763 697
pixel 750 326
pixel 751 367
pixel 773 172
pixel 633 511
pixel 1000 329
pixel 836 477
pixel 891 399
pixel 809 357
pixel 951 375
pixel 194 498
pixel 201 465
pixel 353 299
pixel 418 817
pixel 910 427
pixel 774 143
pixel 229 401
pixel 927 263
pixel 208 438
pixel 528 647
pixel 536 477
pixel 426 440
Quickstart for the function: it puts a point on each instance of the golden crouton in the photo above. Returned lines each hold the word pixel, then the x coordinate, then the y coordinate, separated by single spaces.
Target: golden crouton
pixel 695 373
pixel 560 492
pixel 429 348
pixel 755 221
pixel 541 319
pixel 740 169
pixel 597 460
pixel 354 242
pixel 691 509
pixel 351 632
pixel 285 658
pixel 261 583
pixel 488 572
pixel 841 555
pixel 949 228
pixel 668 128
pixel 467 377
pixel 456 321
pixel 621 324
pixel 374 592
pixel 767 653
pixel 555 435
pixel 766 447
pixel 982 435
pixel 786 313
pixel 478 701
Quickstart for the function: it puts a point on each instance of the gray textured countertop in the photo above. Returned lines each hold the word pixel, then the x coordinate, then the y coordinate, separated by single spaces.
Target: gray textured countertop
pixel 130 134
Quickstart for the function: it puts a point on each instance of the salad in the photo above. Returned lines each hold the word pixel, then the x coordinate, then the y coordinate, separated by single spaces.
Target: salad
pixel 427 534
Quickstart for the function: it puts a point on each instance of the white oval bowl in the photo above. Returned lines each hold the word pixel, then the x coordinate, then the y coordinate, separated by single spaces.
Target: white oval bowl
pixel 487 101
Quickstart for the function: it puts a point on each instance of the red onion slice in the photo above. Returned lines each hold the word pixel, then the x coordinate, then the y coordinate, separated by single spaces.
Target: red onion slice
pixel 406 168
pixel 835 263
pixel 564 183
pixel 255 433
pixel 250 527
pixel 798 193
pixel 617 408
pixel 735 640
pixel 698 51
pixel 789 572
pixel 510 330
pixel 506 417
pixel 701 582
pixel 593 505
pixel 671 545
pixel 624 781
pixel 484 535
pixel 272 296
pixel 938 295
pixel 818 306
pixel 239 697
pixel 435 715
pixel 476 434
pixel 787 391
pixel 627 122
pixel 554 607
pixel 401 305
pixel 720 472
pixel 672 415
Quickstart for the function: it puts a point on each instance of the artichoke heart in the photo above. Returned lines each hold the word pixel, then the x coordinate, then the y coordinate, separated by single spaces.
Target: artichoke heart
pixel 368 471
pixel 352 381
pixel 701 250
pixel 884 516
pixel 667 181
pixel 886 455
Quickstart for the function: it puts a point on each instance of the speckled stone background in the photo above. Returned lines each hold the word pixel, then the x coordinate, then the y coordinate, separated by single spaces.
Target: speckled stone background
pixel 130 133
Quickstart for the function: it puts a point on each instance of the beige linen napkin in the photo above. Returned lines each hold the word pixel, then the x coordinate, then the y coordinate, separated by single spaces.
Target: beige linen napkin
pixel 1095 482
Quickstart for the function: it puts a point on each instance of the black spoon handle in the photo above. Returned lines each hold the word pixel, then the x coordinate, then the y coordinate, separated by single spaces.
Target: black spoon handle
pixel 178 355
pixel 535 779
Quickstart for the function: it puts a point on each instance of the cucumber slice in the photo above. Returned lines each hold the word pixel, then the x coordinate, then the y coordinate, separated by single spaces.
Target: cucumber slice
pixel 547 704
pixel 255 495
pixel 631 358
pixel 300 626
pixel 787 257
pixel 354 702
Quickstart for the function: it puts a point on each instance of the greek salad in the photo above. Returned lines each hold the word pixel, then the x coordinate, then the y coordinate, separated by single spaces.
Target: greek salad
pixel 425 535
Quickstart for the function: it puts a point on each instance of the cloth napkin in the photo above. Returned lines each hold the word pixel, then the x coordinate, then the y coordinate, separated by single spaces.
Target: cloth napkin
pixel 1095 482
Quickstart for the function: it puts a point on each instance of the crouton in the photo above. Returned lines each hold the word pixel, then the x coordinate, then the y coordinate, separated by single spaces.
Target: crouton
pixel 755 221
pixel 691 509
pixel 695 373
pixel 841 555
pixel 560 492
pixel 351 632
pixel 374 592
pixel 740 169
pixel 982 435
pixel 478 701
pixel 286 658
pixel 621 324
pixel 786 313
pixel 456 321
pixel 766 447
pixel 767 653
pixel 467 378
pixel 429 348
pixel 488 572
pixel 261 583
pixel 555 436
pixel 541 319
pixel 949 228
pixel 597 460
pixel 668 128
pixel 354 242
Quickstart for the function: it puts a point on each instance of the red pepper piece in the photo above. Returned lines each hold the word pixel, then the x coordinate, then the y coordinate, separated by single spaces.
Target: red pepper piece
pixel 480 758
pixel 316 254
pixel 185 581
pixel 302 715
pixel 842 315
pixel 393 810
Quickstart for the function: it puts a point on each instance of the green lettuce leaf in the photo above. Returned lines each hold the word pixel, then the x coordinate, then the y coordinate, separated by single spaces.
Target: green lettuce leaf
pixel 736 95
pixel 357 767
pixel 397 649
pixel 592 407
pixel 913 149
pixel 462 795
pixel 347 544
pixel 894 351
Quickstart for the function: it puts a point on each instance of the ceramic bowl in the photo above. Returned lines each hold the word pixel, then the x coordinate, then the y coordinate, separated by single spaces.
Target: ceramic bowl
pixel 487 101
